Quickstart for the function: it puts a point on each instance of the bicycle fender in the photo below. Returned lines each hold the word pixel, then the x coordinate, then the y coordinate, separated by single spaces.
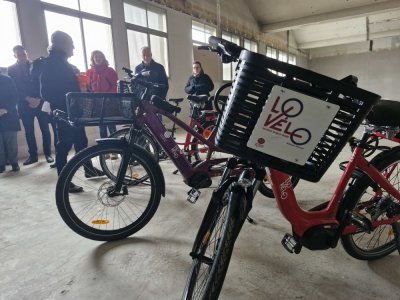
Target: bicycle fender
pixel 141 152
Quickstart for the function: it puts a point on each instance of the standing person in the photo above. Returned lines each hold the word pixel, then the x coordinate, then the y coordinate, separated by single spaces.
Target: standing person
pixel 199 83
pixel 157 72
pixel 102 79
pixel 9 124
pixel 58 77
pixel 29 107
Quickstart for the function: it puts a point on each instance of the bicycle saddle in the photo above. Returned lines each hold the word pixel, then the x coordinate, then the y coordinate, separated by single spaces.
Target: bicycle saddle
pixel 176 100
pixel 198 99
pixel 385 113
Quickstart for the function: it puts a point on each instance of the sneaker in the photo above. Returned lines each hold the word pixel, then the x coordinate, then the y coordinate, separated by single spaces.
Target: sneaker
pixel 73 188
pixel 53 165
pixel 93 173
pixel 2 168
pixel 30 160
pixel 15 167
pixel 49 159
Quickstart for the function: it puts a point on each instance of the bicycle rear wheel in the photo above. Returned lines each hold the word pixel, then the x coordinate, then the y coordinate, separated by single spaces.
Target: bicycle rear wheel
pixel 145 140
pixel 373 204
pixel 95 213
pixel 213 248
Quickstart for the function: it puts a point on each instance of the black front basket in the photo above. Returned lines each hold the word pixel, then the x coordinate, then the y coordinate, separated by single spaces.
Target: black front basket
pixel 255 77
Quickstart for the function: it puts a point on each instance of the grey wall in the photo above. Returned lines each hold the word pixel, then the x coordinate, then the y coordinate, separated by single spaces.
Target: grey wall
pixel 378 72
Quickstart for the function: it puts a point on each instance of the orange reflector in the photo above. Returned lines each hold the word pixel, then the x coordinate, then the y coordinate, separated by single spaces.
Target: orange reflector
pixel 207 132
pixel 100 222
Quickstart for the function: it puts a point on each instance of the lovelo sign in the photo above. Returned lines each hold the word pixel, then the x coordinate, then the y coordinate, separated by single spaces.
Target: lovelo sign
pixel 291 125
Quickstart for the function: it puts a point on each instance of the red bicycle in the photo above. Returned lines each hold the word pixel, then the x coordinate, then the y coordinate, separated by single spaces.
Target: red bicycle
pixel 363 212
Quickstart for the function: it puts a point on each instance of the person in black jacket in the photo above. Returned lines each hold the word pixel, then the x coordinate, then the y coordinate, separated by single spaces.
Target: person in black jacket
pixel 29 106
pixel 9 123
pixel 199 83
pixel 57 78
pixel 157 72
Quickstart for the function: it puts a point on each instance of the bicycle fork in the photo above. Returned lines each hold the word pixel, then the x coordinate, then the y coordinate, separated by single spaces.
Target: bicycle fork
pixel 119 189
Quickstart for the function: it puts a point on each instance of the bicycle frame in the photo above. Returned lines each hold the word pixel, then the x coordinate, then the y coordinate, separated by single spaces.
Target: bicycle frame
pixel 148 117
pixel 194 122
pixel 303 220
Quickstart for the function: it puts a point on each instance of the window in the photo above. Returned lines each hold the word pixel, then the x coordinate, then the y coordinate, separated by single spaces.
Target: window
pixel 97 7
pixel 282 56
pixel 201 32
pixel 146 26
pixel 250 45
pixel 228 70
pixel 87 34
pixel 9 35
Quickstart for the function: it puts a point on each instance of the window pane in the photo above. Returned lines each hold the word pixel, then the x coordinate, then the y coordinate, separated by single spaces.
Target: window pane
pixel 198 35
pixel 282 56
pixel 98 37
pixel 97 7
pixel 157 19
pixel 246 44
pixel 135 15
pixel 160 51
pixel 10 37
pixel 235 39
pixel 71 26
pixel 66 3
pixel 226 72
pixel 136 40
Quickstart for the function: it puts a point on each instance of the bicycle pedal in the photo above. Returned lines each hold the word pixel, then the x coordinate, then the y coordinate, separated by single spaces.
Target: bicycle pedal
pixel 290 244
pixel 193 195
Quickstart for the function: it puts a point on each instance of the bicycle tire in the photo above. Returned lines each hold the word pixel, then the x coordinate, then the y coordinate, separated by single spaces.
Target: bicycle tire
pixel 94 214
pixel 145 140
pixel 381 241
pixel 213 248
pixel 266 189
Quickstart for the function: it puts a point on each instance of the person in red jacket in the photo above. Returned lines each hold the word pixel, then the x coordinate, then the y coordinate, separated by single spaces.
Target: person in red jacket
pixel 102 79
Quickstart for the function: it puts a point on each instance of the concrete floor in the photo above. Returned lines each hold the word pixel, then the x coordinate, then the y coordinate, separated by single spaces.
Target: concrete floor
pixel 41 258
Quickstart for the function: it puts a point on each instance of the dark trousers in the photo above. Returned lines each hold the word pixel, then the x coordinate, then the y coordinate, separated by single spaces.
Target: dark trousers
pixel 103 130
pixel 28 118
pixel 8 147
pixel 67 137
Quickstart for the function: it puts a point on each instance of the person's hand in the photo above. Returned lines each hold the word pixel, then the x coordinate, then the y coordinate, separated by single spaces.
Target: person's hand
pixel 3 111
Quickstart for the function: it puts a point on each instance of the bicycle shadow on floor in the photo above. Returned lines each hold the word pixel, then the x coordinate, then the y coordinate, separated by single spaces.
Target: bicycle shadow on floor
pixel 100 252
pixel 387 269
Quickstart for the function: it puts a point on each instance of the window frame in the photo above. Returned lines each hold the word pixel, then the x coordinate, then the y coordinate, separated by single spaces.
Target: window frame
pixel 204 25
pixel 80 15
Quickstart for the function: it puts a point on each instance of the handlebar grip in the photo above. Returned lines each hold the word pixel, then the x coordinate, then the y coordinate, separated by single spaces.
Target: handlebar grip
pixel 214 41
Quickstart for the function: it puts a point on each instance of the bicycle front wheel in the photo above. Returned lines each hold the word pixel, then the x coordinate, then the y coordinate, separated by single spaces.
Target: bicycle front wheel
pixel 374 204
pixel 213 248
pixel 96 213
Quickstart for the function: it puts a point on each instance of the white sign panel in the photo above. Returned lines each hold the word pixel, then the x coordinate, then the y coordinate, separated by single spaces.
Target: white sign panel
pixel 291 125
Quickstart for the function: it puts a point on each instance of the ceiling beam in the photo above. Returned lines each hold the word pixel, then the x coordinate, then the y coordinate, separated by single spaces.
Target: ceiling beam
pixel 348 40
pixel 339 15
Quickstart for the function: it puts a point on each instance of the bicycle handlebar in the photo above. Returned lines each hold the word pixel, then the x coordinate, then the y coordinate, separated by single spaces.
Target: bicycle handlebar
pixel 228 51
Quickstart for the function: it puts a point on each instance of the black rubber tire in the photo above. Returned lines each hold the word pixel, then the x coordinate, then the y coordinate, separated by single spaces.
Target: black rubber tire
pixel 213 248
pixel 95 215
pixel 381 241
pixel 146 141
pixel 266 189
